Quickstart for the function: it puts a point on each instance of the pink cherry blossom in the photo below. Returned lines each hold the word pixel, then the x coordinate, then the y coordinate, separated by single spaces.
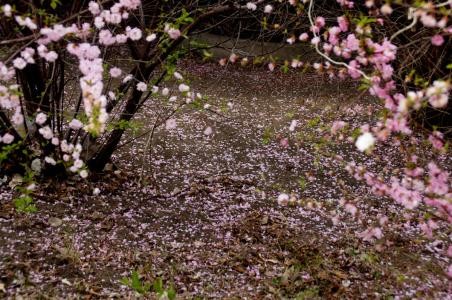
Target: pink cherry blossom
pixel 437 40
pixel 19 63
pixel 268 9
pixel 115 72
pixel 283 199
pixel 320 22
pixel 94 8
pixel 173 33
pixel 343 23
pixel 386 9
pixel 303 37
pixel 7 138
pixel 251 6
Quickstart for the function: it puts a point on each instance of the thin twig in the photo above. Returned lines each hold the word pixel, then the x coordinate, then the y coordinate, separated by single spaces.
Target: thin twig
pixel 311 4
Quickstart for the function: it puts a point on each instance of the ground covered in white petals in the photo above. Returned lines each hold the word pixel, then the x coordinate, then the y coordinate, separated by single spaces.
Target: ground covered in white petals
pixel 196 205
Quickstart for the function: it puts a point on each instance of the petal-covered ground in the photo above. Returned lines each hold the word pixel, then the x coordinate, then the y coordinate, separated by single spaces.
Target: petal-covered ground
pixel 196 207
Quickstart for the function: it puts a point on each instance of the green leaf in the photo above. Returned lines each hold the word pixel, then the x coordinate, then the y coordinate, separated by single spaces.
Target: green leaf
pixel 158 286
pixel 55 3
pixel 125 281
pixel 285 69
pixel 171 293
pixel 314 122
pixel 136 282
pixel 146 287
pixel 7 150
pixel 267 136
pixel 302 183
pixel 356 133
pixel 25 204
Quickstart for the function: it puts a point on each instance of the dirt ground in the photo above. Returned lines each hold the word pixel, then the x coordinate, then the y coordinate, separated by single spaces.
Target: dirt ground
pixel 199 211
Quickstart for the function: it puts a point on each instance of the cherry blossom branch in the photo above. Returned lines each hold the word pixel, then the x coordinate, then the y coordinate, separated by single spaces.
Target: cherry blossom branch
pixel 413 23
pixel 449 2
pixel 412 15
pixel 316 46
pixel 17 40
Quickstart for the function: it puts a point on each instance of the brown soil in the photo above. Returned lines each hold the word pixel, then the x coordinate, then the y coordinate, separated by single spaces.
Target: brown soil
pixel 206 220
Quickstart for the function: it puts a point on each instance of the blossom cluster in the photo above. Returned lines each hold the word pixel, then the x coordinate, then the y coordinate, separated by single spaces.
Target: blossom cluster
pixel 356 50
pixel 84 41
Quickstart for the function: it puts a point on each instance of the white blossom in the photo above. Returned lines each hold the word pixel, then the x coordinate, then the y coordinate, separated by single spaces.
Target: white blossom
pixel 142 87
pixel 50 160
pixel 178 76
pixel 183 88
pixel 268 9
pixel 251 6
pixel 151 37
pixel 365 141
pixel 75 124
pixel 293 124
pixel 46 132
pixel 208 131
pixel 41 118
pixel 7 10
pixel 170 124
pixel 19 63
pixel 283 199
pixel 7 138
